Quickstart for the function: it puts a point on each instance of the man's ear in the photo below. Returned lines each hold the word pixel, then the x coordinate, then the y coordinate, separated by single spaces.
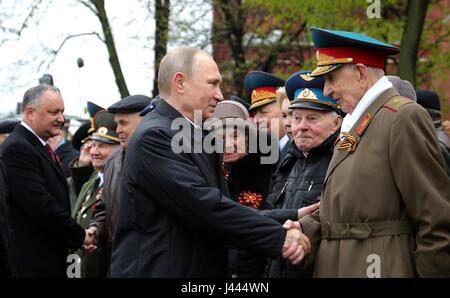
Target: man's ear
pixel 29 112
pixel 362 72
pixel 336 123
pixel 178 82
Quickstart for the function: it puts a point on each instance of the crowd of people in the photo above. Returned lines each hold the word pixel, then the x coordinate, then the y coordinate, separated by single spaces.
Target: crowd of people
pixel 339 171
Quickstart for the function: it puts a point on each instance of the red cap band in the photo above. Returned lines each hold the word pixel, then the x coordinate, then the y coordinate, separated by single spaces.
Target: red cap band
pixel 366 56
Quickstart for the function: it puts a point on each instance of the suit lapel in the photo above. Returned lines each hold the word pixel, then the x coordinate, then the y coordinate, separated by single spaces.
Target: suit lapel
pixel 208 163
pixel 30 137
pixel 359 128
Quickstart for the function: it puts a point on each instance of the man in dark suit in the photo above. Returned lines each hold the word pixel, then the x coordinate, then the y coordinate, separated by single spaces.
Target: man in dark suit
pixel 43 230
pixel 5 232
pixel 174 219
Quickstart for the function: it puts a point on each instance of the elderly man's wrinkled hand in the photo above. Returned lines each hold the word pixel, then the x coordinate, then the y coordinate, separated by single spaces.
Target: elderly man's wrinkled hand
pixel 296 246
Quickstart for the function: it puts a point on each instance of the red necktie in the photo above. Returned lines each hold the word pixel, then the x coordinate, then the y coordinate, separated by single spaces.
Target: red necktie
pixel 52 153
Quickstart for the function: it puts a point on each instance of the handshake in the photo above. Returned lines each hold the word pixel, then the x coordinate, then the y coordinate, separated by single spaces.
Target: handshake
pixel 89 244
pixel 296 244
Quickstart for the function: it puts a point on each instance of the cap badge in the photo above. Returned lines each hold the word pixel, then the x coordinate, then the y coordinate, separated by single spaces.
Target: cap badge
pixel 308 94
pixel 102 130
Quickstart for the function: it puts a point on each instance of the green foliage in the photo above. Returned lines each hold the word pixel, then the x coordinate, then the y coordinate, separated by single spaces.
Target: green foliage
pixel 347 15
pixel 434 55
pixel 267 16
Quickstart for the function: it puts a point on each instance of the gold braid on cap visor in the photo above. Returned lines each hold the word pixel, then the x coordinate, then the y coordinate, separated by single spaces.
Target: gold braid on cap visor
pixel 258 95
pixel 325 60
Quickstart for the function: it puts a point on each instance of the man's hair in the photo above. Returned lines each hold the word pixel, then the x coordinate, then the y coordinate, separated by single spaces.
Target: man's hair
pixel 376 72
pixel 178 60
pixel 33 95
pixel 281 96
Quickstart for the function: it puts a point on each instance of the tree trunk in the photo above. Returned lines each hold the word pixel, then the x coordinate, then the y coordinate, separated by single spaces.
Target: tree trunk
pixel 162 12
pixel 234 21
pixel 110 45
pixel 416 11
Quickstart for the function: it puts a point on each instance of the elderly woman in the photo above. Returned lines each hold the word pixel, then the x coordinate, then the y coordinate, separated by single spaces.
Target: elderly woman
pixel 248 177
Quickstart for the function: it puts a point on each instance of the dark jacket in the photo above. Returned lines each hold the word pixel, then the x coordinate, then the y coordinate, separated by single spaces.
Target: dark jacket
pixel 79 176
pixel 248 176
pixel 93 265
pixel 444 143
pixel 39 207
pixel 443 137
pixel 298 183
pixel 66 154
pixel 5 231
pixel 174 220
pixel 105 215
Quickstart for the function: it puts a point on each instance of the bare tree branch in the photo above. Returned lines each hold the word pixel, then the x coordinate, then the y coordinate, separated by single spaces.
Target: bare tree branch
pixel 30 16
pixel 53 53
pixel 90 6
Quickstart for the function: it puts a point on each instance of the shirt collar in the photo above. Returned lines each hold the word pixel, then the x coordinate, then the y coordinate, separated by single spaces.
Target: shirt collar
pixel 190 121
pixel 369 97
pixel 283 141
pixel 32 131
pixel 100 176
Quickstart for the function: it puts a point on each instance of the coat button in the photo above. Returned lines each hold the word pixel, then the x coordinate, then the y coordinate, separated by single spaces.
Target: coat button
pixel 84 216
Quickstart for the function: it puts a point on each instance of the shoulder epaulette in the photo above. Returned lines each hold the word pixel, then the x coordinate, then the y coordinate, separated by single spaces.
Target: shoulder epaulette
pixel 396 103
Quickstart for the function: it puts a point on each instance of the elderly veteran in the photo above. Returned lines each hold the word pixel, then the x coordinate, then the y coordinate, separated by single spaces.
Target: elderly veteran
pixel 298 181
pixel 126 115
pixel 104 142
pixel 386 198
pixel 264 107
pixel 247 178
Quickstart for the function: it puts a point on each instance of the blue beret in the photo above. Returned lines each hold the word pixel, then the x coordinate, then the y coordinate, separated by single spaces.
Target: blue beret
pixel 306 92
pixel 130 104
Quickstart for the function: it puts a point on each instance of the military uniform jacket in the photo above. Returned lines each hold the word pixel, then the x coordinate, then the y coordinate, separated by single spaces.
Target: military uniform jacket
pixel 174 220
pixel 386 200
pixel 90 195
pixel 93 264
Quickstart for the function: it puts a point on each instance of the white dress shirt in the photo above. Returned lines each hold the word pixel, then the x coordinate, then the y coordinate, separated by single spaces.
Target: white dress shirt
pixel 32 131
